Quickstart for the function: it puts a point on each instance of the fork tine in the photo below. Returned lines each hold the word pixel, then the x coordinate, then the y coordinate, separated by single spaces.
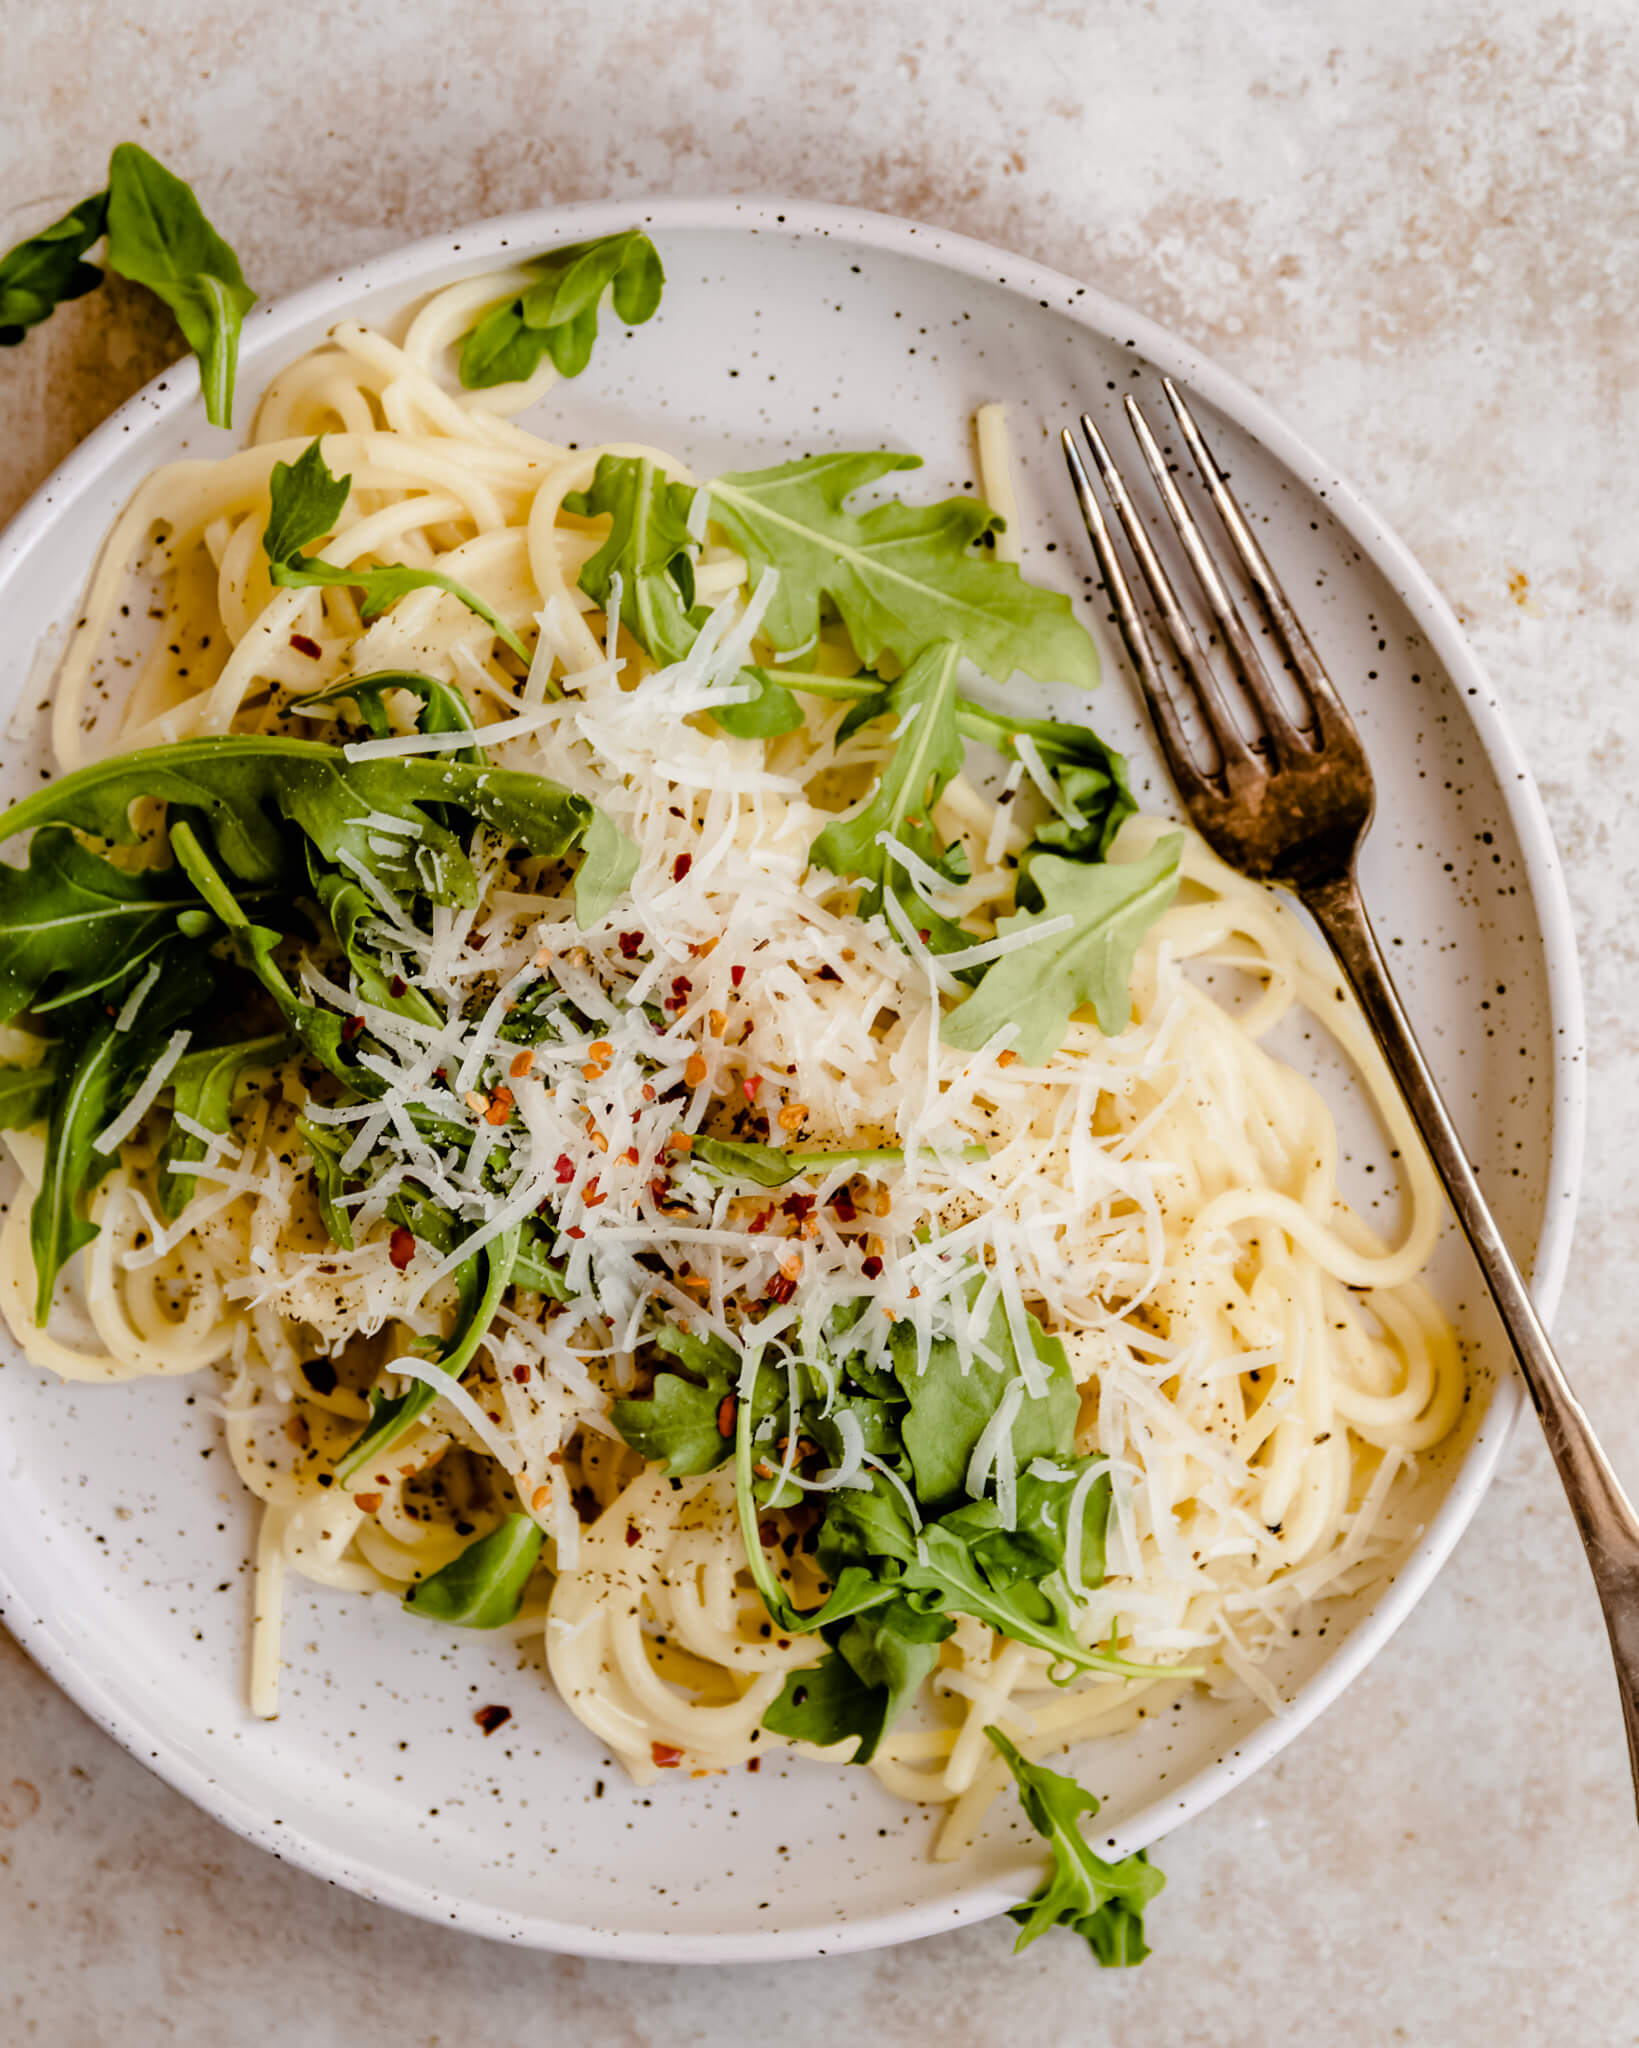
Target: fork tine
pixel 1282 734
pixel 1164 713
pixel 1330 712
pixel 1239 766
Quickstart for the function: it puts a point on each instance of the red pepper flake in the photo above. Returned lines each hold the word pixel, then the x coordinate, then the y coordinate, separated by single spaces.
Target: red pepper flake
pixel 630 1155
pixel 441 1073
pixel 629 944
pixel 798 1205
pixel 754 1764
pixel 829 973
pixel 736 975
pixel 401 1247
pixel 575 1231
pixel 780 1290
pixel 751 1084
pixel 521 1374
pixel 726 1410
pixel 565 1169
pixel 634 1535
pixel 303 645
pixel 491 1718
pixel 590 1195
pixel 500 1106
pixel 666 1755
pixel 681 866
pixel 872 1268
pixel 648 1092
pixel 759 1222
pixel 351 1027
pixel 843 1203
pixel 368 1503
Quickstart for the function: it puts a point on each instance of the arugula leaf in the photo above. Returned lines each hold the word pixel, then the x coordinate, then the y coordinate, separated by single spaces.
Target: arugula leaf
pixel 484 1586
pixel 443 708
pixel 71 923
pixel 240 784
pixel 771 1166
pixel 950 1408
pixel 203 1085
pixel 1039 1541
pixel 159 237
pixel 646 547
pixel 25 1094
pixel 97 1074
pixel 1101 1901
pixel 928 755
pixel 392 1415
pixel 558 315
pixel 1090 775
pixel 828 1702
pixel 45 271
pixel 1042 985
pixel 677 1423
pixel 305 501
pixel 901 576
pixel 325 1148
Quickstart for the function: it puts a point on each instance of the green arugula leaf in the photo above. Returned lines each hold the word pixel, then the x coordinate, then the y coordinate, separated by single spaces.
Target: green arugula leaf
pixel 770 1166
pixel 558 315
pixel 45 271
pixel 950 1409
pixel 97 1075
pixel 159 237
pixel 1038 1543
pixel 72 924
pixel 678 1422
pixel 1090 775
pixel 443 708
pixel 203 1085
pixel 1042 985
pixel 242 784
pixel 647 548
pixel 900 576
pixel 26 1093
pixel 392 1415
pixel 829 1702
pixel 325 1148
pixel 1101 1901
pixel 484 1586
pixel 928 755
pixel 305 501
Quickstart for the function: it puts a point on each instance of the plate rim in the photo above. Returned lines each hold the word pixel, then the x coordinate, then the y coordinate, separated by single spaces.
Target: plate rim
pixel 176 389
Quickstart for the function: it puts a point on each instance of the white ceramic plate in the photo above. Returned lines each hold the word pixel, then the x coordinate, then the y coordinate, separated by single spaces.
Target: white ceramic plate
pixel 123 1537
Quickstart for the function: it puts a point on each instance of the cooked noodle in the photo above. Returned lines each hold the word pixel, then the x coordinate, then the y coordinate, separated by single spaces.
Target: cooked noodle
pixel 1259 1373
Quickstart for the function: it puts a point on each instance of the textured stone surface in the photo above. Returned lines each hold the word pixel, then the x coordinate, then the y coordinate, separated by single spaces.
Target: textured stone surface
pixel 1416 228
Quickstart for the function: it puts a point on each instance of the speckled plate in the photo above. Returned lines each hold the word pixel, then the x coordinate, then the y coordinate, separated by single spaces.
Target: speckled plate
pixel 123 1538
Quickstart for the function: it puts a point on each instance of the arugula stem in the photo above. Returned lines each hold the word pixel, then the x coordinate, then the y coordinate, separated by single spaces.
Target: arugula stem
pixel 780 1609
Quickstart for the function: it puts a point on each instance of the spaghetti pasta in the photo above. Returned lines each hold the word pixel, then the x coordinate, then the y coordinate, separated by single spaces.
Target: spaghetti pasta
pixel 1257 1373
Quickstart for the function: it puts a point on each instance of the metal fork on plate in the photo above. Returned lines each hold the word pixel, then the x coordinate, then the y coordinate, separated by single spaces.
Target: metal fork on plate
pixel 1292 806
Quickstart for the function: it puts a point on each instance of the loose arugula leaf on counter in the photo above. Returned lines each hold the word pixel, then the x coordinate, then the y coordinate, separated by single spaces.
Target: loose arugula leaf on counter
pixel 557 316
pixel 158 236
pixel 305 501
pixel 1040 986
pixel 47 270
pixel 484 1586
pixel 203 1085
pixel 71 923
pixel 1103 1902
pixel 900 576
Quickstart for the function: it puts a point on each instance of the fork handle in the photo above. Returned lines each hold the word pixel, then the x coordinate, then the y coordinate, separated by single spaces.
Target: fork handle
pixel 1604 1518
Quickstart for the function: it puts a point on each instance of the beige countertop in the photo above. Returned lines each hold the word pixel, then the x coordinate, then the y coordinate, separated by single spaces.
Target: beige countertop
pixel 1414 226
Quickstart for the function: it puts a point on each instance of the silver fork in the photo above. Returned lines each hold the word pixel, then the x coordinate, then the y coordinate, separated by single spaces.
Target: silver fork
pixel 1292 807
